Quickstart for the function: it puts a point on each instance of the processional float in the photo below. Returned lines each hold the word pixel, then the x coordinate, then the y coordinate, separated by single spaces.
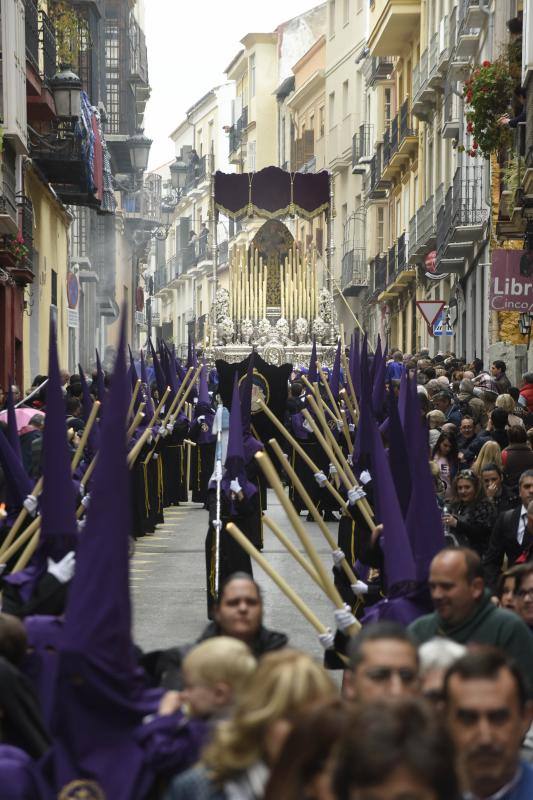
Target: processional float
pixel 277 296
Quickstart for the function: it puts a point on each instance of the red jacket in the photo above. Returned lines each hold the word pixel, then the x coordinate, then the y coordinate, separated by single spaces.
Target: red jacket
pixel 527 393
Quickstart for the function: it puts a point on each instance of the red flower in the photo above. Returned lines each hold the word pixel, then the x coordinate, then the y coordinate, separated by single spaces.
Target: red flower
pixel 475 145
pixel 485 63
pixel 470 127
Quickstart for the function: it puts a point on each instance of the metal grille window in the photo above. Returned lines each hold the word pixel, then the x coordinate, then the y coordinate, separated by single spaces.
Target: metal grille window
pixel 388 106
pixel 112 64
pixel 79 232
pixel 381 229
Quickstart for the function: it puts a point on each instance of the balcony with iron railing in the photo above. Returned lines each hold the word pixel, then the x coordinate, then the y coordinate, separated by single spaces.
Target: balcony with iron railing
pixel 142 208
pixel 362 148
pixel 451 113
pixel 471 18
pixel 379 274
pixel 461 221
pixel 400 143
pixel 377 187
pixel 377 68
pixel 399 271
pixel 8 204
pixel 48 45
pixel 236 132
pixel 31 29
pixel 354 275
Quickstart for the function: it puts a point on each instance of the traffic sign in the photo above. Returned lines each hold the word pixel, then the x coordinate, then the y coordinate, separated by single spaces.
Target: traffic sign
pixel 430 309
pixel 442 326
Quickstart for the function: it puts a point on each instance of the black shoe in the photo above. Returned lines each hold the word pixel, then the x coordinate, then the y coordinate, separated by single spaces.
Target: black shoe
pixel 329 516
pixel 309 518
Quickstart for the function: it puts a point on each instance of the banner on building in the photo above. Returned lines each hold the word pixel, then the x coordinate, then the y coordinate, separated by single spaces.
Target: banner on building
pixel 511 287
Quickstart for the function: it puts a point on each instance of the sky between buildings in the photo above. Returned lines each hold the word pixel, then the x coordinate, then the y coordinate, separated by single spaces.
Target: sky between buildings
pixel 190 43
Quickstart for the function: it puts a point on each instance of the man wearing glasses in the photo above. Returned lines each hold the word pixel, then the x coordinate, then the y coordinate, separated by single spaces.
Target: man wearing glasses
pixel 383 664
pixel 523 592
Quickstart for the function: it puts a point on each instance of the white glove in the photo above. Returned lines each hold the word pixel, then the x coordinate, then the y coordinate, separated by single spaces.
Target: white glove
pixel 200 418
pixel 307 426
pixel 340 426
pixel 235 486
pixel 85 500
pixel 351 427
pixel 30 504
pixel 163 432
pixel 365 477
pixel 359 587
pixel 327 640
pixel 218 471
pixel 150 438
pixel 63 570
pixel 2 568
pixel 332 469
pixel 338 556
pixel 344 618
pixel 82 489
pixel 349 459
pixel 170 427
pixel 155 456
pixel 355 494
pixel 320 478
pixel 81 524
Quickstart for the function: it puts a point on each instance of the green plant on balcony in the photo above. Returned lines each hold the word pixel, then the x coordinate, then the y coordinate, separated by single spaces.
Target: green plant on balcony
pixel 16 246
pixel 71 29
pixel 512 174
pixel 487 92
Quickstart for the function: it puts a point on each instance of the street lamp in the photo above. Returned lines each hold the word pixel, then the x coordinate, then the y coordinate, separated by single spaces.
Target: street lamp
pixel 524 325
pixel 178 174
pixel 139 146
pixel 66 89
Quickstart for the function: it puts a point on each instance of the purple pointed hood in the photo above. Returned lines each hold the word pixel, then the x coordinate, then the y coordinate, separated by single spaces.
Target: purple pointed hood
pixel 246 394
pixel 378 387
pixel 398 557
pixel 101 697
pixel 100 380
pixel 335 378
pixel 399 456
pixel 98 616
pixel 146 389
pixel 203 394
pixel 423 521
pixel 355 363
pixel 93 442
pixel 58 501
pixel 234 466
pixel 312 375
pixel 158 370
pixel 18 484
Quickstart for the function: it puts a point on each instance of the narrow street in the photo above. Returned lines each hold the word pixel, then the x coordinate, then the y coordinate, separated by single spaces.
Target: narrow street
pixel 168 582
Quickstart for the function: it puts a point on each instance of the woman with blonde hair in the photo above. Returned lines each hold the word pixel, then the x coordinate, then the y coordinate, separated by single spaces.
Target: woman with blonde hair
pixel 506 402
pixel 244 748
pixel 490 453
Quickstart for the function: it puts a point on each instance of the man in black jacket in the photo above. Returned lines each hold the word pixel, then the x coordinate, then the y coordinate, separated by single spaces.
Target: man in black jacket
pixel 512 535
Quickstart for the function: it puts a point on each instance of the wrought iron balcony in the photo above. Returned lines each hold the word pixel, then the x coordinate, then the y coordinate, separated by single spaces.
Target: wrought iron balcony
pixel 143 207
pixel 451 117
pixel 354 275
pixel 302 151
pixel 236 131
pixel 48 44
pixel 31 28
pixel 460 222
pixel 400 143
pixel 63 163
pixel 377 68
pixel 8 205
pixel 515 187
pixel 377 188
pixel 362 147
pixel 379 274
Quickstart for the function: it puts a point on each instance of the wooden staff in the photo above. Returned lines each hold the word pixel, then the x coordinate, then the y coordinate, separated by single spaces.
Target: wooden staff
pixel 133 399
pixel 327 387
pixel 346 432
pixel 349 384
pixel 282 584
pixel 325 578
pixel 345 396
pixel 301 452
pixel 288 545
pixel 139 416
pixel 31 530
pixel 313 510
pixel 6 551
pixel 318 407
pixel 347 483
